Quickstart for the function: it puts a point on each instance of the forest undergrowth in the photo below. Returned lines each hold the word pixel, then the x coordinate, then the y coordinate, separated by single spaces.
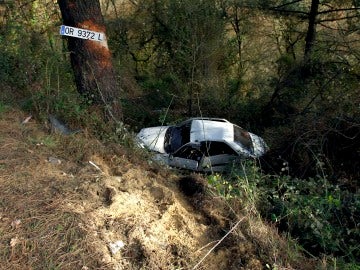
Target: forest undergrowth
pixel 171 67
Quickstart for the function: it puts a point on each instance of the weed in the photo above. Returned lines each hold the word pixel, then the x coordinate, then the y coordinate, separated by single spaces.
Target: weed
pixel 47 140
pixel 3 108
pixel 240 183
pixel 222 186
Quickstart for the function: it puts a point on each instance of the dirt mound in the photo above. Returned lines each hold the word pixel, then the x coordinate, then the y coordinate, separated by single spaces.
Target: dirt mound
pixel 71 202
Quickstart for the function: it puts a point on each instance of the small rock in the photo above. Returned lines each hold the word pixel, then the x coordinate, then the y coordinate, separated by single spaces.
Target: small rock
pixel 116 246
pixel 59 127
pixel 54 160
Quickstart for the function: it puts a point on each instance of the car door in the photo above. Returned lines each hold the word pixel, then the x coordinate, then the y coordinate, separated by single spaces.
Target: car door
pixel 187 157
pixel 218 156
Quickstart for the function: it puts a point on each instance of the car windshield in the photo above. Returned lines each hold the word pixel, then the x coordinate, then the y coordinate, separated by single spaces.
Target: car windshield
pixel 172 139
pixel 176 136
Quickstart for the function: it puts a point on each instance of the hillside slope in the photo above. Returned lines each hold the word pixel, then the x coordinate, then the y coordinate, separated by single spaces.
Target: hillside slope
pixel 66 201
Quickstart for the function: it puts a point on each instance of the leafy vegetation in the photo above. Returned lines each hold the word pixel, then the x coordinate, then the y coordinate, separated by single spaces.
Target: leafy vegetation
pixel 240 60
pixel 321 216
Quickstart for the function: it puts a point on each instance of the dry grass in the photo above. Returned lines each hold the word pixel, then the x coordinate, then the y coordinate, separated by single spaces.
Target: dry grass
pixel 64 215
pixel 36 230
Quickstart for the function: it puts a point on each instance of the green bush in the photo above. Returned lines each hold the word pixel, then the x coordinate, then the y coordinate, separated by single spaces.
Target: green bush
pixel 323 217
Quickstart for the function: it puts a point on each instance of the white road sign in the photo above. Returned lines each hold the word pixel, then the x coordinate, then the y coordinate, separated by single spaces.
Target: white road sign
pixel 81 33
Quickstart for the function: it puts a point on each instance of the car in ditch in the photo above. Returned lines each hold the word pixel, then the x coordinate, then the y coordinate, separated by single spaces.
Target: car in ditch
pixel 201 144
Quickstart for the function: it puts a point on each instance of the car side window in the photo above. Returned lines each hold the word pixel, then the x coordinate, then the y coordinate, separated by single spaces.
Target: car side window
pixel 188 152
pixel 210 148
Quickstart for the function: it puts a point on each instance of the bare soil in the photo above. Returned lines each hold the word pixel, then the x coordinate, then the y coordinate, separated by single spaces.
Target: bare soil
pixel 66 200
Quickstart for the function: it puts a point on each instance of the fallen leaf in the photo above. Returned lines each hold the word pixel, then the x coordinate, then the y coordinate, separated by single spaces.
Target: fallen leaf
pixel 15 223
pixel 14 241
pixel 27 119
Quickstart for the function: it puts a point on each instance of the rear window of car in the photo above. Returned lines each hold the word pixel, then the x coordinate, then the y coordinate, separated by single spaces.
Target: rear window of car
pixel 242 136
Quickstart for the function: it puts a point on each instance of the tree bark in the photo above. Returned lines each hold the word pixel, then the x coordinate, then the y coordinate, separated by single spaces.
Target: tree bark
pixel 311 32
pixel 91 61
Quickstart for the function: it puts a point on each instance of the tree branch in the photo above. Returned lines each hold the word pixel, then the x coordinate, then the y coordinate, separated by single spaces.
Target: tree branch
pixel 337 19
pixel 290 11
pixel 287 4
pixel 338 10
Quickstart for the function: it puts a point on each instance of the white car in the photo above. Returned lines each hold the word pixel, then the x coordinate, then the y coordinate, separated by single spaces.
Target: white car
pixel 202 144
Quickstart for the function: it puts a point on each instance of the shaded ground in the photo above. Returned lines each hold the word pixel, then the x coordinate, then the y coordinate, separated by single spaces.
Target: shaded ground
pixel 66 200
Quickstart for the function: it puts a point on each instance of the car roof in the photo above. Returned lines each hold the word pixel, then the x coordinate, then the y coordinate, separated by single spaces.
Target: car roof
pixel 203 129
pixel 207 119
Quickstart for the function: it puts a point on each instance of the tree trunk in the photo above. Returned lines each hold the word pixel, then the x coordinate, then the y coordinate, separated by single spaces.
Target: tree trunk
pixel 310 35
pixel 91 60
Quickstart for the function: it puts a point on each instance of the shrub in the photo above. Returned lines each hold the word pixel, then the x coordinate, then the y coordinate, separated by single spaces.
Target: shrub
pixel 323 217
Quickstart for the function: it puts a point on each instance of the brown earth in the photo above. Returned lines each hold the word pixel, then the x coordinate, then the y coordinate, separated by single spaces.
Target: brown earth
pixel 65 199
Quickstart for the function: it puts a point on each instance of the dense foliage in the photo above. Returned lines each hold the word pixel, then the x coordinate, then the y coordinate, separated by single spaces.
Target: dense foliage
pixel 252 62
pixel 321 216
